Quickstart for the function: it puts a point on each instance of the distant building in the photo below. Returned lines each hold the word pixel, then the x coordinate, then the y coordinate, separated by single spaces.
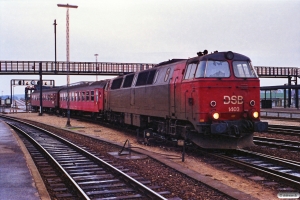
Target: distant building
pixel 277 97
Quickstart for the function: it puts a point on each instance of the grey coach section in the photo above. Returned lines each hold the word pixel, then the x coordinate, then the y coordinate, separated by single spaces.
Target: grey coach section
pixel 75 68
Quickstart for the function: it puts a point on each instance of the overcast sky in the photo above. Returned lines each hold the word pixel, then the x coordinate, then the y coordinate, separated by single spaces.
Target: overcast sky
pixel 149 31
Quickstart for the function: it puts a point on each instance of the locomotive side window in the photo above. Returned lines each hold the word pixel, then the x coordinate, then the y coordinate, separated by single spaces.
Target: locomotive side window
pixel 167 74
pixel 142 78
pixel 116 84
pixel 217 69
pixel 134 79
pixel 156 76
pixel 243 69
pixel 128 81
pixel 151 77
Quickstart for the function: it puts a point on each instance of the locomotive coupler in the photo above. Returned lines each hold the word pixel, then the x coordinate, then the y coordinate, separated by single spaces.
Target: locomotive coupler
pixel 235 130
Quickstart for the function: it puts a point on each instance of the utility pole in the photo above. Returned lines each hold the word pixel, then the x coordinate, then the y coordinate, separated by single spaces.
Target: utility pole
pixel 68 58
pixel 55 44
pixel 96 66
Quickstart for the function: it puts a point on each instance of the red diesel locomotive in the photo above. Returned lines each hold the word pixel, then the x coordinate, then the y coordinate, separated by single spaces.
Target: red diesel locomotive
pixel 213 100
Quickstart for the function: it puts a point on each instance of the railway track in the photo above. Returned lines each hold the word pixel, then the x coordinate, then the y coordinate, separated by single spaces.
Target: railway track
pixel 279 169
pixel 73 172
pixel 277 143
pixel 286 130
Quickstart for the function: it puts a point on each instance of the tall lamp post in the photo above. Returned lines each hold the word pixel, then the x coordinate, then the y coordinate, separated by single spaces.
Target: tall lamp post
pixel 96 66
pixel 68 57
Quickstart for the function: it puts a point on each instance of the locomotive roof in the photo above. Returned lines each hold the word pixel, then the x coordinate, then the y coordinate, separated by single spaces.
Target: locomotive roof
pixel 219 56
pixel 211 56
pixel 54 89
pixel 100 84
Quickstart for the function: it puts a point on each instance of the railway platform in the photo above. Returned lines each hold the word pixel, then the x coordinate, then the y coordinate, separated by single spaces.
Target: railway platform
pixel 279 112
pixel 17 177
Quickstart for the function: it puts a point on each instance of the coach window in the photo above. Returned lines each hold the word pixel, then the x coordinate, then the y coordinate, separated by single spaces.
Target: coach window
pixel 116 84
pixel 142 78
pixel 87 95
pixel 167 74
pixel 128 81
pixel 92 95
pixel 201 69
pixel 82 96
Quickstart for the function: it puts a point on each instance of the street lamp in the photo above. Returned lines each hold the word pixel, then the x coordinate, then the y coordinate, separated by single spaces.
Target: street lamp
pixel 96 66
pixel 12 100
pixel 68 57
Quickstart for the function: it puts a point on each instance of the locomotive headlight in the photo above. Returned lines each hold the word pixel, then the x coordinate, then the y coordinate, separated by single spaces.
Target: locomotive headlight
pixel 255 114
pixel 215 115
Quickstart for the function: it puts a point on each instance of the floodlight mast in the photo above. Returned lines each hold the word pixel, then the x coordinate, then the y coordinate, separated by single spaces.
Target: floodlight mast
pixel 68 57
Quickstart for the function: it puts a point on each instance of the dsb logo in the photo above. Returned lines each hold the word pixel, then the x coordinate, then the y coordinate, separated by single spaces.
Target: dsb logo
pixel 233 99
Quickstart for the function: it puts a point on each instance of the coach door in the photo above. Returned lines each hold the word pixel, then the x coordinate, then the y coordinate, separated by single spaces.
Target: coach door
pixel 175 92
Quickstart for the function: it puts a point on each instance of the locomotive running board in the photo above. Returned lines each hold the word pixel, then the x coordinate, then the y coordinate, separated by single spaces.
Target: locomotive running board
pixel 222 142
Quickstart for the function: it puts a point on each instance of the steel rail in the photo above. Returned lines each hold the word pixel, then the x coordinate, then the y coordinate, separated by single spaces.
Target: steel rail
pixel 287 179
pixel 139 186
pixel 284 130
pixel 286 144
pixel 53 160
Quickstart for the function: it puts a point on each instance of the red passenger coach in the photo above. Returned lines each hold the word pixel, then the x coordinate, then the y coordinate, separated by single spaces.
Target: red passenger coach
pixel 50 99
pixel 85 97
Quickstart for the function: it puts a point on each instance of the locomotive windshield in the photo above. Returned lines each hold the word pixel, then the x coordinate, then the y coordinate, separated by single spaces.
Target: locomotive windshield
pixel 243 69
pixel 212 68
pixel 219 69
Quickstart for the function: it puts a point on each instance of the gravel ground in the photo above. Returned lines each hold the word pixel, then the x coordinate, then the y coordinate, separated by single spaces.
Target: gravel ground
pixel 197 164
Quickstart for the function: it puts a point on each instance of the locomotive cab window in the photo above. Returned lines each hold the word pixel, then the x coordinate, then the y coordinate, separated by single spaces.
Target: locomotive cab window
pixel 243 69
pixel 190 71
pixel 201 69
pixel 217 69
